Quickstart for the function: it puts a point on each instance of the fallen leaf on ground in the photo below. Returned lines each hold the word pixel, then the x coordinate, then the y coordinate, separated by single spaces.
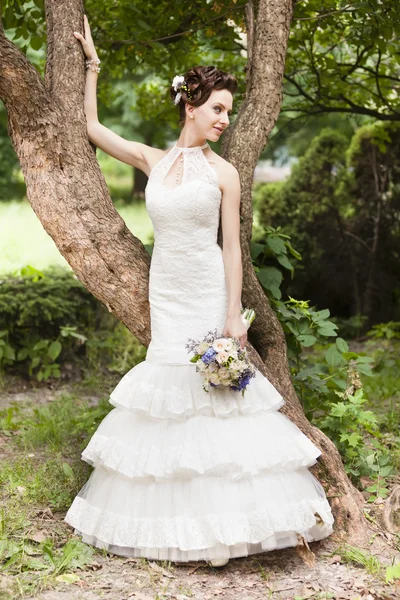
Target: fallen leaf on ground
pixel 67 578
pixel 161 570
pixel 38 536
pixel 303 550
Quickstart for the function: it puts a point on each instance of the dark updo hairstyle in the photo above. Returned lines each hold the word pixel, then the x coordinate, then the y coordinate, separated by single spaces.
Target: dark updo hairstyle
pixel 201 81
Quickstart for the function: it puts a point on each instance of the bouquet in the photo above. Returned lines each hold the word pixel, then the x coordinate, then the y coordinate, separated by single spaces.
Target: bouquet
pixel 221 360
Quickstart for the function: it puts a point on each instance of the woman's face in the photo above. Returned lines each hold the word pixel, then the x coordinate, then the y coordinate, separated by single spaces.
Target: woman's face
pixel 212 118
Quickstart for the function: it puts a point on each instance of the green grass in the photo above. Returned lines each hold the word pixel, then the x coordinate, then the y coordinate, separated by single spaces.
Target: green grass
pixel 40 475
pixel 24 241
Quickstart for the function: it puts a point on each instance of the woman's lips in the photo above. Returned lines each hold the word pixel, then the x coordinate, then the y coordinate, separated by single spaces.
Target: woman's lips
pixel 218 129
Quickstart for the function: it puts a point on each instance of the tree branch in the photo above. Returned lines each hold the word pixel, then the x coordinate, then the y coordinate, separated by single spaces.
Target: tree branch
pixel 355 108
pixel 173 36
pixel 65 73
pixel 21 86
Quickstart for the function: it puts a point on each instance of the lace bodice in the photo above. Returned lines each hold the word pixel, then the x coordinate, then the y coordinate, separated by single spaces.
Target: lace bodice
pixel 183 201
pixel 187 213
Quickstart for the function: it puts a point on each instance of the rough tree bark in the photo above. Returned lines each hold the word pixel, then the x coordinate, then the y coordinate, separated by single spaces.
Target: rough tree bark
pixel 268 27
pixel 68 193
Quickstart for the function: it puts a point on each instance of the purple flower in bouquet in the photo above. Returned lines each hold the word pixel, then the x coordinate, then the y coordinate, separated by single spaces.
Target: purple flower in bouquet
pixel 208 356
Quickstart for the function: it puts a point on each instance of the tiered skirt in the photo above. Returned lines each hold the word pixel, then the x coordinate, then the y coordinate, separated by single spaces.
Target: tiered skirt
pixel 185 475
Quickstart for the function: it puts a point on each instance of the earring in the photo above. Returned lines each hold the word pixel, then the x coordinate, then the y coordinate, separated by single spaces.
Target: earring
pixel 191 116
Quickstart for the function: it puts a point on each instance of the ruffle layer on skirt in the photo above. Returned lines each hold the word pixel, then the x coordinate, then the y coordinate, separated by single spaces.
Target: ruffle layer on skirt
pixel 137 446
pixel 182 474
pixel 200 518
pixel 172 392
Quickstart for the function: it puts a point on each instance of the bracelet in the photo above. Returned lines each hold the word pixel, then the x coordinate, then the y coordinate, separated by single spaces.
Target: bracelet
pixel 92 65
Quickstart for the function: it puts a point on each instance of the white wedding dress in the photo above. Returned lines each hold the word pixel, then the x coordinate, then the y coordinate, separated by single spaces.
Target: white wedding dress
pixel 181 474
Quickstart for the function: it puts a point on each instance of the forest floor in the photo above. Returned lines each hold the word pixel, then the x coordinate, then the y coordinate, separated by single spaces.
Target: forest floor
pixel 42 559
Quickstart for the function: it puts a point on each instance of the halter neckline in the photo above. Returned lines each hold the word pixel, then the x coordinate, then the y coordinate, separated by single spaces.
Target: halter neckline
pixel 188 148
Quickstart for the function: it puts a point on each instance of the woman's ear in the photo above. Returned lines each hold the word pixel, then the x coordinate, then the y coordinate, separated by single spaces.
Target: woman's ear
pixel 190 111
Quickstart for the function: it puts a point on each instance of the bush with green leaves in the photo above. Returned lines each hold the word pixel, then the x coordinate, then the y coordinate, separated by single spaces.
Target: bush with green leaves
pixel 48 318
pixel 326 375
pixel 341 208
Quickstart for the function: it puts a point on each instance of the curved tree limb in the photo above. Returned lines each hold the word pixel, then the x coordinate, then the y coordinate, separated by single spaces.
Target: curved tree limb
pixel 256 119
pixel 64 183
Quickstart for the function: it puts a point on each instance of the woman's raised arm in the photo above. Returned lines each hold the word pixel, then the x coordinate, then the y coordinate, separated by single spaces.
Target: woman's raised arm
pixel 133 153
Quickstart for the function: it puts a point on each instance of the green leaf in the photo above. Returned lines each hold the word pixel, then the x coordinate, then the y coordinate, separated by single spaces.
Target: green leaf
pixel 277 245
pixel 392 573
pixel 36 43
pixel 307 340
pixel 276 292
pixel 22 354
pixel 365 369
pixel 143 24
pixel 40 345
pixel 67 470
pixel 365 359
pixel 34 564
pixel 67 578
pixel 46 372
pixel 327 329
pixel 341 345
pixel 35 362
pixel 353 439
pixel 256 249
pixel 292 251
pixel 385 471
pixel 349 355
pixel 332 357
pixel 321 315
pixel 54 350
pixel 9 353
pixel 285 262
pixel 270 276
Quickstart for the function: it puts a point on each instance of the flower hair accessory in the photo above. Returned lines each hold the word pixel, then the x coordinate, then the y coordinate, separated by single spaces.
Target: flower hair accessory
pixel 179 83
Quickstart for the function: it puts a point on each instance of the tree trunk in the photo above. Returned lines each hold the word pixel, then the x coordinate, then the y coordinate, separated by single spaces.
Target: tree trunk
pixel 268 26
pixel 68 193
pixel 64 183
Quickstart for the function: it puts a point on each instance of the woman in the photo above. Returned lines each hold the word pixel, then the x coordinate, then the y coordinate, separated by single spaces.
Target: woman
pixel 181 474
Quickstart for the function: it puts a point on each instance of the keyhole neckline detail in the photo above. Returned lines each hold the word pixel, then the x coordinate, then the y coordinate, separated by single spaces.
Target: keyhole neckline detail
pixel 189 148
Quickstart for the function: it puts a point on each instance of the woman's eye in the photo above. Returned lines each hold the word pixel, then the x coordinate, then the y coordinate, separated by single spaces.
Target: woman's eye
pixel 217 108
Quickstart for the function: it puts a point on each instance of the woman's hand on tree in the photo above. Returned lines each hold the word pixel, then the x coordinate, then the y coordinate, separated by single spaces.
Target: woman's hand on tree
pixel 87 42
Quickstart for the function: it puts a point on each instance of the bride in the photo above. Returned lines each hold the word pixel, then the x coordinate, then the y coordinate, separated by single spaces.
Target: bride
pixel 181 474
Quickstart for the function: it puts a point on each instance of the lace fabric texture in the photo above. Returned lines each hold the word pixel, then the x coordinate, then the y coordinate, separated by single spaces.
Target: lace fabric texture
pixel 181 474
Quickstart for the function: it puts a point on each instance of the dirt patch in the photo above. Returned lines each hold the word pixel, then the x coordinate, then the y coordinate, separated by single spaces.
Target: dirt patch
pixel 280 575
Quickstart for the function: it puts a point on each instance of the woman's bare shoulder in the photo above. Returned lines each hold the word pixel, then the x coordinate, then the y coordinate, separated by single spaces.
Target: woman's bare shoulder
pixel 225 170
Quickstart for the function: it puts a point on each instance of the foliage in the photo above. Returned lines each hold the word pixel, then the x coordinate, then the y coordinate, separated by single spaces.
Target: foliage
pixel 304 327
pixel 370 562
pixel 340 57
pixel 67 422
pixel 43 474
pixel 276 246
pixel 41 316
pixel 343 58
pixel 354 555
pixel 49 318
pixel 340 206
pixel 326 376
